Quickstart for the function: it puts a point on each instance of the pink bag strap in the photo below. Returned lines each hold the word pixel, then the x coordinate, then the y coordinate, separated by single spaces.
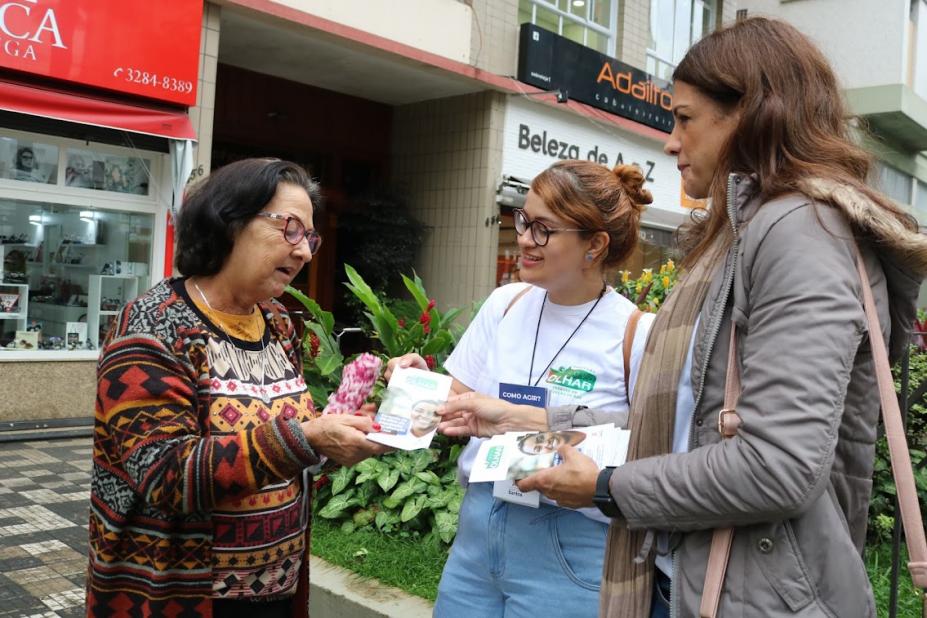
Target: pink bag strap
pixel 910 509
pixel 721 538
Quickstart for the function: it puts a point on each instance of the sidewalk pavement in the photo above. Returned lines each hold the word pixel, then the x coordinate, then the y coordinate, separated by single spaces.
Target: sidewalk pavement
pixel 44 498
pixel 44 495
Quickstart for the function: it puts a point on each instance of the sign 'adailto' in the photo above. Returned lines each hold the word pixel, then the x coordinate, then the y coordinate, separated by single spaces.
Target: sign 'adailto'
pixel 140 47
pixel 552 62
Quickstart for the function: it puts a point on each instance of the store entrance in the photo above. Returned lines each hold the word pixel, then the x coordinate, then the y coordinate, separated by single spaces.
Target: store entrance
pixel 342 141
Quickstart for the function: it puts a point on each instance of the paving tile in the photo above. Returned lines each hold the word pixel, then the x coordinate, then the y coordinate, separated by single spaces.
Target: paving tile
pixel 44 504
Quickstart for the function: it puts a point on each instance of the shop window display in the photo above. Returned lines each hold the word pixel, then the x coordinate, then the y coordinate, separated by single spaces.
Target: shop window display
pixel 28 161
pixel 66 270
pixel 87 169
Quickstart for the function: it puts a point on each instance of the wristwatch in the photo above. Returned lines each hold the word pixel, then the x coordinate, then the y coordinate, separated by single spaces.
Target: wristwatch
pixel 603 497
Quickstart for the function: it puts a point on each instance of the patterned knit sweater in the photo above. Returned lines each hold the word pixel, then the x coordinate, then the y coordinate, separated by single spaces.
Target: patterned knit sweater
pixel 195 491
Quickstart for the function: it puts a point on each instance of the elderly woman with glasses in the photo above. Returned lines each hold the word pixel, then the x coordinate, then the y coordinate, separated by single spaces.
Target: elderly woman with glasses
pixel 556 339
pixel 204 428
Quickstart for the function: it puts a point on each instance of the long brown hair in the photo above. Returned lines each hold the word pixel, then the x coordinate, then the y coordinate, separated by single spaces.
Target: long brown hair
pixel 793 121
pixel 592 197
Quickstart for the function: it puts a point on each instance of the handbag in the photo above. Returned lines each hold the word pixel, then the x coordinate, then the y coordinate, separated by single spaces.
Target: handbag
pixel 728 423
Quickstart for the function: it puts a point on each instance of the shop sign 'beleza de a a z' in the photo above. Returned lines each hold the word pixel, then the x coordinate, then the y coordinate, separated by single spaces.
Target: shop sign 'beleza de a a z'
pixel 553 62
pixel 140 47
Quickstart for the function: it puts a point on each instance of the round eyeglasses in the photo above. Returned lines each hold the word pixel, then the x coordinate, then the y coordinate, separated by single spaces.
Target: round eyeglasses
pixel 294 231
pixel 540 233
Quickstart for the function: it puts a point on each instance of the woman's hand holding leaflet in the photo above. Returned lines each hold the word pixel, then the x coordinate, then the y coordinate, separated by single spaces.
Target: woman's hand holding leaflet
pixel 571 484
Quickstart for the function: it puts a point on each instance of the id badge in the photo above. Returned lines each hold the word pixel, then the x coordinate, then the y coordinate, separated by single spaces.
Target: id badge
pixel 520 395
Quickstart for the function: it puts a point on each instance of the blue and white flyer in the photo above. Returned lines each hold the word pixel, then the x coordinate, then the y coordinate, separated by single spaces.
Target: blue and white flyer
pixel 517 454
pixel 408 415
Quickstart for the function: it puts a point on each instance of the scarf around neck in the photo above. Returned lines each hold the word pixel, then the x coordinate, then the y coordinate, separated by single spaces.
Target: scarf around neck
pixel 627 577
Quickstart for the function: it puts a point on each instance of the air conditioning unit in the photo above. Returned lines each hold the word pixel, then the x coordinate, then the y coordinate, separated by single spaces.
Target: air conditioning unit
pixel 511 192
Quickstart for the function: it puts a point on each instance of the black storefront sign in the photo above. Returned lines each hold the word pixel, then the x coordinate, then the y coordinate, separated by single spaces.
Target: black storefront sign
pixel 553 62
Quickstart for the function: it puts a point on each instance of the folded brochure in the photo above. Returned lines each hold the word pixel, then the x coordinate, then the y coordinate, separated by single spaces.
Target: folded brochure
pixel 408 415
pixel 517 454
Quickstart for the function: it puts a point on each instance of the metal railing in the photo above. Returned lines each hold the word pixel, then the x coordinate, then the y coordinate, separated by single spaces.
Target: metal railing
pixel 906 399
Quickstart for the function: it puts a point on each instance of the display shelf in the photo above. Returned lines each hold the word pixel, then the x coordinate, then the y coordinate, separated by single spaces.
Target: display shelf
pixel 21 316
pixel 129 289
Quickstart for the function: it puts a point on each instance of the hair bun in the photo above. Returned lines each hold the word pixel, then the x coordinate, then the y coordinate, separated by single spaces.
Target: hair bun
pixel 632 182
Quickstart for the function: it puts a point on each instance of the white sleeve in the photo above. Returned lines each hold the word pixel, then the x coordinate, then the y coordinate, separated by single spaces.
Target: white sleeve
pixel 637 348
pixel 467 362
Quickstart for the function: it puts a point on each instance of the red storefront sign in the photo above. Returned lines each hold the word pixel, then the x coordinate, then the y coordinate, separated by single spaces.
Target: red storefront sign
pixel 142 47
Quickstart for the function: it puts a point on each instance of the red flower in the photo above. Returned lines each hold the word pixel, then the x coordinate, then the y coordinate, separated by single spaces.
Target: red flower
pixel 402 323
pixel 426 329
pixel 431 304
pixel 314 344
pixel 321 482
pixel 425 319
pixel 430 361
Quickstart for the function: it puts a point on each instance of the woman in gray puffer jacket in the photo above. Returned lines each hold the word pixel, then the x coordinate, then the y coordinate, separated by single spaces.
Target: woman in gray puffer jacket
pixel 761 130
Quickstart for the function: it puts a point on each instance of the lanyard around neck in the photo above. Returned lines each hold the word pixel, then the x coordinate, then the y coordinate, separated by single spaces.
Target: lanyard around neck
pixel 538 330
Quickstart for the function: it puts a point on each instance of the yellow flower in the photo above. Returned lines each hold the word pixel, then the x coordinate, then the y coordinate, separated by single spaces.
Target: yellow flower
pixel 666 282
pixel 647 276
pixel 662 269
pixel 625 276
pixel 670 266
pixel 639 287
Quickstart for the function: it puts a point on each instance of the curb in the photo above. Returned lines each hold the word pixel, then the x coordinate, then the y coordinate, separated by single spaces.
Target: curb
pixel 335 592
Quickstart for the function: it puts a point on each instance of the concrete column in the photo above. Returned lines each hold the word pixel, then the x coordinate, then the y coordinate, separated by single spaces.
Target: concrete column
pixel 202 114
pixel 447 161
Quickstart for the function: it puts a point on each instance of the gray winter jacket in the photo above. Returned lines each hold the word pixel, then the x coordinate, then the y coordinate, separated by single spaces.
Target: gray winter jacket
pixel 796 480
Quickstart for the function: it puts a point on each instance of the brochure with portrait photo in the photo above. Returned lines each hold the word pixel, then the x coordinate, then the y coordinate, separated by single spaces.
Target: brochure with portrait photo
pixel 408 415
pixel 514 455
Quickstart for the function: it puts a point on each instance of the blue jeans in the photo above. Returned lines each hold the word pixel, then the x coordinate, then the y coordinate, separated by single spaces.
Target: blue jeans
pixel 659 604
pixel 511 561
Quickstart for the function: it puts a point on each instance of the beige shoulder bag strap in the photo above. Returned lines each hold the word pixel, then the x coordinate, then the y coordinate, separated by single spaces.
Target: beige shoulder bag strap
pixel 629 331
pixel 728 421
pixel 515 299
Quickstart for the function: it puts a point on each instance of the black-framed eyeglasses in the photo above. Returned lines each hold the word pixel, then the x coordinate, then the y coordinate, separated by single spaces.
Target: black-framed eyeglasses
pixel 294 231
pixel 540 233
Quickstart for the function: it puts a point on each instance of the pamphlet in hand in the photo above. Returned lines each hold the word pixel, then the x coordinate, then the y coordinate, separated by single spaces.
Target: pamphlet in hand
pixel 408 415
pixel 517 454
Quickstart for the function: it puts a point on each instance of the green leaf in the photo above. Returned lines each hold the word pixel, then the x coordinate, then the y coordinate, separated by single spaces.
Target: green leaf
pixel 341 478
pixel 412 508
pixel 429 477
pixel 325 318
pixel 421 459
pixel 439 342
pixel 336 506
pixel 418 292
pixel 402 492
pixel 347 527
pixel 388 478
pixel 454 453
pixel 385 520
pixel 446 525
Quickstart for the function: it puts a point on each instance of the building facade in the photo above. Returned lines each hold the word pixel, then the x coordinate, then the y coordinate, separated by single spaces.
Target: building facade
pixel 439 102
pixel 884 79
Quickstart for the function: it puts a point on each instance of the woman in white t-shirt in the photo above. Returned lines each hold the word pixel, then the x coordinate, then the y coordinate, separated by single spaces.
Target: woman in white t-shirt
pixel 555 339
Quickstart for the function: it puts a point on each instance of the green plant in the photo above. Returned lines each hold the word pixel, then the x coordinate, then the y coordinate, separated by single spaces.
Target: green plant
pixel 405 493
pixel 432 335
pixel 412 564
pixel 883 484
pixel 648 291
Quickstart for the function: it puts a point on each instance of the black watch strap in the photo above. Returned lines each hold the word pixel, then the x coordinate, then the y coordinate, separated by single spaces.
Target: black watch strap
pixel 603 497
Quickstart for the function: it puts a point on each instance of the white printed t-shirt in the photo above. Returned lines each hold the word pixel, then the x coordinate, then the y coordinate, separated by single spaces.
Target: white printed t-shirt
pixel 589 371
